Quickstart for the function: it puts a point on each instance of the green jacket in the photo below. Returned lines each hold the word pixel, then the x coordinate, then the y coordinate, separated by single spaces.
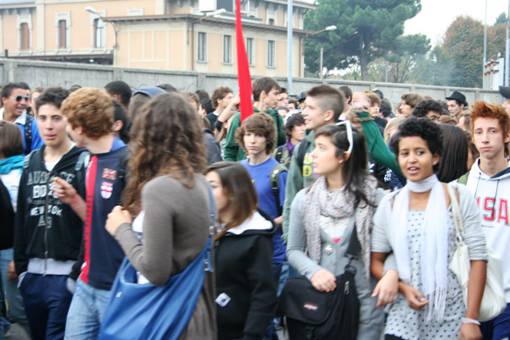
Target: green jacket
pixel 377 149
pixel 298 178
pixel 232 151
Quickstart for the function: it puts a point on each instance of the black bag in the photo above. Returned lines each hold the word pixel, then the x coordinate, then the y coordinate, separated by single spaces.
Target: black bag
pixel 315 315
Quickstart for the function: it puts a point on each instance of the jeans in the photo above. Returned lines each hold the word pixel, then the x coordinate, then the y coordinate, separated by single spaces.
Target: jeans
pixel 47 301
pixel 12 296
pixel 499 327
pixel 86 312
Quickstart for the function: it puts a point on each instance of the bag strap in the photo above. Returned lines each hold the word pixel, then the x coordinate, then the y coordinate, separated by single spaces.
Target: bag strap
pixel 209 264
pixel 275 185
pixel 457 219
pixel 354 247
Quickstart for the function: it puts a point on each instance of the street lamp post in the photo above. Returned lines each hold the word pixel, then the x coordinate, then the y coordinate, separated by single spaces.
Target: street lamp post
pixel 321 56
pixel 93 11
pixel 290 23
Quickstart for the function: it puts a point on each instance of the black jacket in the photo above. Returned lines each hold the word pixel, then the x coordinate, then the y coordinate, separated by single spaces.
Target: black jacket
pixel 244 274
pixel 46 227
pixel 6 219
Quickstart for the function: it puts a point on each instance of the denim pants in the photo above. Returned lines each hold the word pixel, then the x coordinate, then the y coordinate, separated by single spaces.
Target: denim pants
pixel 499 327
pixel 86 312
pixel 11 294
pixel 46 301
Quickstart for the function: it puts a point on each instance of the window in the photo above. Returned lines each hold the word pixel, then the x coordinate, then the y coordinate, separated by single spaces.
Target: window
pixel 271 14
pixel 249 50
pixel 98 33
pixel 227 4
pixel 24 36
pixel 202 47
pixel 227 49
pixel 270 53
pixel 62 33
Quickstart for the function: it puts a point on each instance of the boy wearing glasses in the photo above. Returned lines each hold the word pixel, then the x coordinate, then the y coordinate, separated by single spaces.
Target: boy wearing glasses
pixel 15 101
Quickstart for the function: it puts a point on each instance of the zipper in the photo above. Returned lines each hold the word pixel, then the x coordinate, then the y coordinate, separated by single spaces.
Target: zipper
pixel 46 218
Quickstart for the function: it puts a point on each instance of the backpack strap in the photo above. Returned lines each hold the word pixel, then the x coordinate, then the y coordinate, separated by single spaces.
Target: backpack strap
pixel 278 153
pixel 28 159
pixel 301 152
pixel 28 133
pixel 275 185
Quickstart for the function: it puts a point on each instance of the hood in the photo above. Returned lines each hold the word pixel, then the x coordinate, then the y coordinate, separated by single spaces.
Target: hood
pixel 68 160
pixel 255 224
pixel 476 172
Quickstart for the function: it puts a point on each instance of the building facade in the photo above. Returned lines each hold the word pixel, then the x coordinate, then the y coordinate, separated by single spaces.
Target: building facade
pixel 178 35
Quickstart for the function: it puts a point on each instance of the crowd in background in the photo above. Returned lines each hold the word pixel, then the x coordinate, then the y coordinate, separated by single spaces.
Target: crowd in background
pixel 167 178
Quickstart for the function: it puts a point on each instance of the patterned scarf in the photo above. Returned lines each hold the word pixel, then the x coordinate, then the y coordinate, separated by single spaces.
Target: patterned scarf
pixel 338 204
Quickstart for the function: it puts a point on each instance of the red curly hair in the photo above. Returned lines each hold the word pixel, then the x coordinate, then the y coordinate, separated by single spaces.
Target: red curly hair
pixel 485 110
pixel 91 109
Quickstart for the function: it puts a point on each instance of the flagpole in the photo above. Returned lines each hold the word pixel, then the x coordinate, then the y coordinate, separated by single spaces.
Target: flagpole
pixel 243 69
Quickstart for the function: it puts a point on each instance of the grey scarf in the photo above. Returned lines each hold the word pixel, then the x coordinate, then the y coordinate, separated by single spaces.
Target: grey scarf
pixel 338 204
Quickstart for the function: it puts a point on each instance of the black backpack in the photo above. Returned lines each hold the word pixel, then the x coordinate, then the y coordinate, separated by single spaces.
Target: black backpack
pixel 315 315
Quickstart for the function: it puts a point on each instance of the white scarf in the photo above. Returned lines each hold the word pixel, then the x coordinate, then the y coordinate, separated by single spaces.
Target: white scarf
pixel 434 244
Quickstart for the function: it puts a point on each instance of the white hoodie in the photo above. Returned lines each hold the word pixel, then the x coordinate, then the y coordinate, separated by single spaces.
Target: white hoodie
pixel 493 195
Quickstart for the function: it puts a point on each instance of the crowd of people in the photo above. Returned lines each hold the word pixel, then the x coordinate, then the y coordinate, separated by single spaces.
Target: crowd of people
pixel 179 187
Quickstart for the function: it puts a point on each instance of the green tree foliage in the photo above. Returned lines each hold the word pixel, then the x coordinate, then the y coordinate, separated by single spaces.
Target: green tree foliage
pixel 366 30
pixel 403 60
pixel 463 46
pixel 501 19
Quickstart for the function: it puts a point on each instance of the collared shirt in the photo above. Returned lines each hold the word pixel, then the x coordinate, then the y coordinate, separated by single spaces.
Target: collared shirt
pixel 21 121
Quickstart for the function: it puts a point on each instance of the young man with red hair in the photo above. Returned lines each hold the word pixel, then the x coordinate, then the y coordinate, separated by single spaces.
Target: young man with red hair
pixel 489 181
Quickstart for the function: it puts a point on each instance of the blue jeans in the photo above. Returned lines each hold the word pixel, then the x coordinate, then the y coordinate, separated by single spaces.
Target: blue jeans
pixel 499 327
pixel 86 312
pixel 15 310
pixel 47 301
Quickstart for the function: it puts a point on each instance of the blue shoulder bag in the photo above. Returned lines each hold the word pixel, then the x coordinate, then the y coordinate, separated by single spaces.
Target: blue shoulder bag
pixel 145 311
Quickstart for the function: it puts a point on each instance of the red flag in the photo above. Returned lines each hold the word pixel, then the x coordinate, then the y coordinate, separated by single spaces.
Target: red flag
pixel 243 69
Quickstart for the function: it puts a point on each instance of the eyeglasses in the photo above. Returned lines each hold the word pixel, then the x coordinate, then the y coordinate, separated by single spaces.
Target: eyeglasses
pixel 20 98
pixel 348 129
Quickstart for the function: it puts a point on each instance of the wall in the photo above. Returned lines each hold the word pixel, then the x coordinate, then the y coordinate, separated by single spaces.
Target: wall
pixel 40 73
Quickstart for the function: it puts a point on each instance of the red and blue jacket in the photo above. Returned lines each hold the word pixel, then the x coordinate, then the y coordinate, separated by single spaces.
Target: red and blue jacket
pixel 105 181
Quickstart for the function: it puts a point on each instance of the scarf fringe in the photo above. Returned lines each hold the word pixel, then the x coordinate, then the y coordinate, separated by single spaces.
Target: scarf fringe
pixel 436 306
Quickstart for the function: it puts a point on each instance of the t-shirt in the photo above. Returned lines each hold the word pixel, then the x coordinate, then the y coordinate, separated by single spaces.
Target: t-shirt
pixel 261 178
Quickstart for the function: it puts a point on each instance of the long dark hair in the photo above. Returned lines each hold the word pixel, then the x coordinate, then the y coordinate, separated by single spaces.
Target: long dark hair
pixel 238 187
pixel 355 168
pixel 453 163
pixel 166 140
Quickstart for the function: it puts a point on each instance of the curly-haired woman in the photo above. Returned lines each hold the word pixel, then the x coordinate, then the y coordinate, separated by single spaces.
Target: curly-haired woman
pixel 168 195
pixel 416 225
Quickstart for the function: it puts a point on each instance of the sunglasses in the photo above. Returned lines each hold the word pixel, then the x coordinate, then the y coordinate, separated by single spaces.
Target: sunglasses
pixel 348 129
pixel 20 98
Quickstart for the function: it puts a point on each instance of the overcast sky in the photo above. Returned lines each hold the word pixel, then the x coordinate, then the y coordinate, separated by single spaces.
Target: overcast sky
pixel 436 15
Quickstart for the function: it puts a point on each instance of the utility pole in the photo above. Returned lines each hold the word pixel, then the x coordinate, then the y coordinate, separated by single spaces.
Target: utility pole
pixel 290 23
pixel 484 45
pixel 507 51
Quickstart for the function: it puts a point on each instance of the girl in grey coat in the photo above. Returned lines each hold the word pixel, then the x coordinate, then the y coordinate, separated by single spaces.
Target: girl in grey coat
pixel 322 218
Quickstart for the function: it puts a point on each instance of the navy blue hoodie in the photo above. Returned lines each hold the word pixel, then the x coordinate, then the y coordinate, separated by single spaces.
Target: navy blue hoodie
pixel 104 184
